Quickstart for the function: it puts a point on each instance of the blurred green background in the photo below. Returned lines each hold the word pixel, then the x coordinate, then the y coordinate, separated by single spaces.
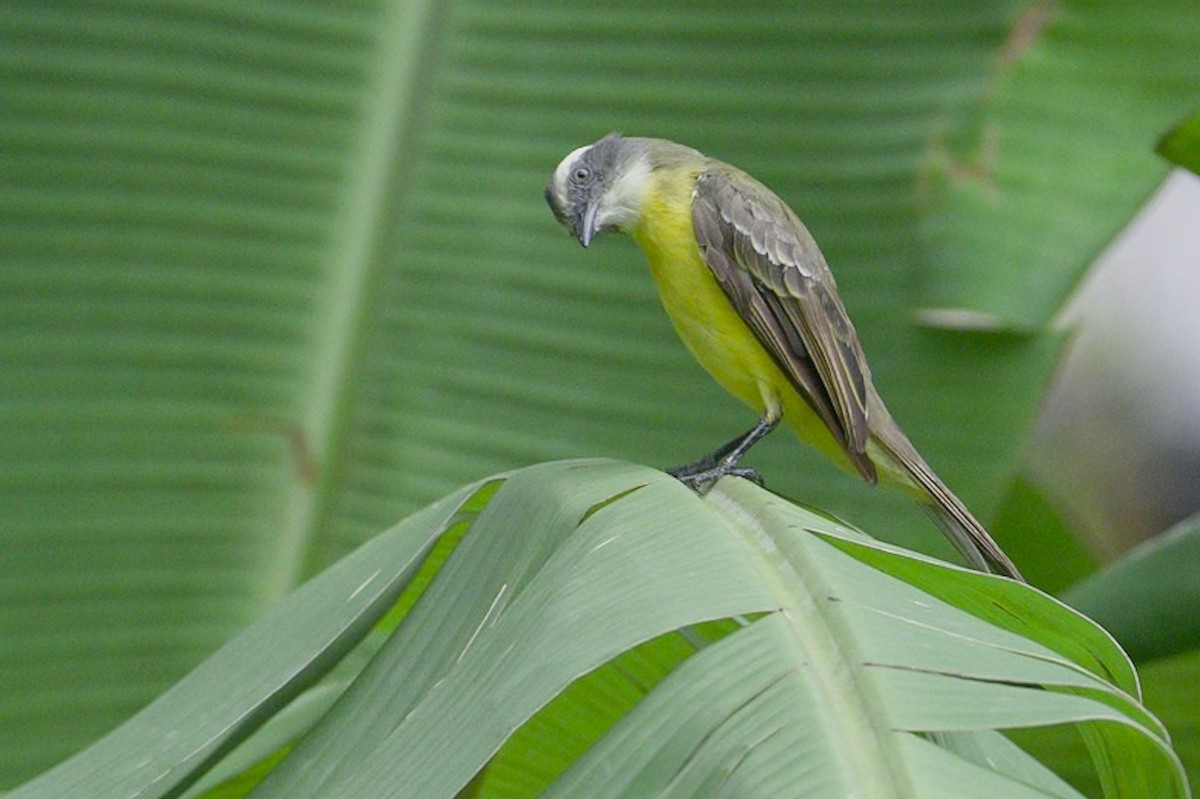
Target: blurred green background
pixel 274 274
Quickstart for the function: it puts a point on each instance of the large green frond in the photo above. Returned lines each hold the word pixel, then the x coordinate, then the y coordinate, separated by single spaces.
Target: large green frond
pixel 835 673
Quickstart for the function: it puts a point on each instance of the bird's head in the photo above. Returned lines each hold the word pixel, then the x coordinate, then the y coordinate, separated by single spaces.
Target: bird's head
pixel 601 187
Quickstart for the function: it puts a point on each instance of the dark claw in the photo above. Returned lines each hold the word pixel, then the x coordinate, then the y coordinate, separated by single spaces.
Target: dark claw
pixel 700 477
pixel 747 473
pixel 688 470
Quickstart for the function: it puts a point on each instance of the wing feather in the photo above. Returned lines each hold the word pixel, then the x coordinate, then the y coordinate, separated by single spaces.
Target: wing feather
pixel 772 271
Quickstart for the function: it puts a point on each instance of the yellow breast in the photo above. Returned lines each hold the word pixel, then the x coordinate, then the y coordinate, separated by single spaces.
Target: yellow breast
pixel 703 316
pixel 706 320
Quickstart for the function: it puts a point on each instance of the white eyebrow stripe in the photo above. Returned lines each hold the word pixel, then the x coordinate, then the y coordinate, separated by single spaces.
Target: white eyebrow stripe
pixel 563 172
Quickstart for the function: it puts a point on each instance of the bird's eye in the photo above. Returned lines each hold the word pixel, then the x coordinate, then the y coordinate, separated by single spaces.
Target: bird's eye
pixel 581 174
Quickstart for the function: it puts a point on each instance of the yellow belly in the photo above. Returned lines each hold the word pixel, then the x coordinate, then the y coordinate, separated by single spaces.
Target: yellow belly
pixel 708 323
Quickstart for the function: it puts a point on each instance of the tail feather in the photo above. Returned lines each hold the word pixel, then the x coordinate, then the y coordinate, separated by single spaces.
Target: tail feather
pixel 969 536
pixel 963 530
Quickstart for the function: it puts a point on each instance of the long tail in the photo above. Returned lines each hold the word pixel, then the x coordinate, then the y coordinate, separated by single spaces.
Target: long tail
pixel 963 530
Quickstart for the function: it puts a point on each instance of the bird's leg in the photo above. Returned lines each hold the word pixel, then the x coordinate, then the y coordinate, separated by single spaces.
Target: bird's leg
pixel 701 475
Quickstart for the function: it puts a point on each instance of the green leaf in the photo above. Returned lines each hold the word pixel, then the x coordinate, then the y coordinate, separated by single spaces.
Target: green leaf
pixel 1027 189
pixel 277 274
pixel 568 567
pixel 1149 598
pixel 732 718
pixel 1181 144
pixel 838 672
pixel 1036 536
pixel 1170 693
pixel 169 744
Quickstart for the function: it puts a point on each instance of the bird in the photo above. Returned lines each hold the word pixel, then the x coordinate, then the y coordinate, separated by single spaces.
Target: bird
pixel 752 298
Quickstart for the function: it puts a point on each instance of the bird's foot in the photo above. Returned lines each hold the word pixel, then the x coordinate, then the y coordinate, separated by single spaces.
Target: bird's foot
pixel 704 473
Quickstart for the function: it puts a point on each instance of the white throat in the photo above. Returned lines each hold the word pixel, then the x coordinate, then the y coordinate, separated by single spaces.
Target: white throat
pixel 621 206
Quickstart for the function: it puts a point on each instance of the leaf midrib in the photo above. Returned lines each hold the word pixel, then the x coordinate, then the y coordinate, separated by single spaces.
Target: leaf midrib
pixel 345 303
pixel 823 636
